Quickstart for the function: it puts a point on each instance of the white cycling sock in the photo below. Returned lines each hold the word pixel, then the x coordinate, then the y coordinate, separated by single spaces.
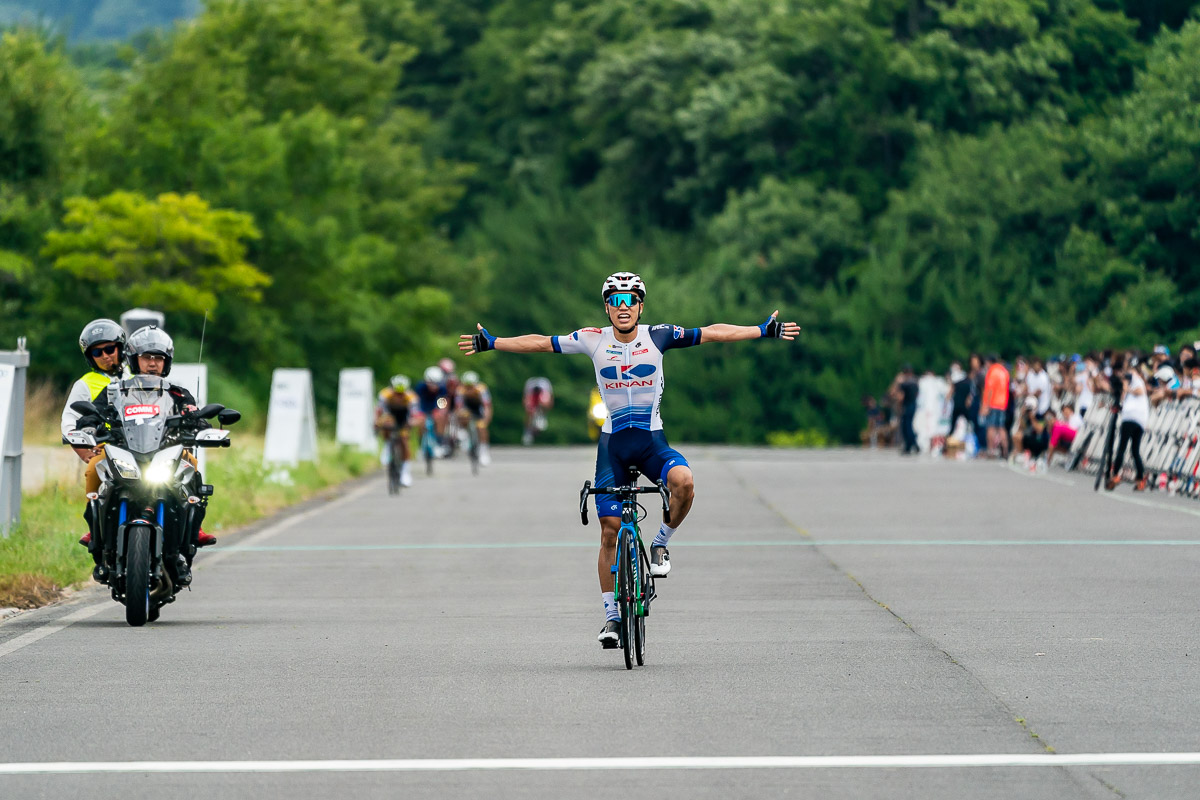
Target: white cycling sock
pixel 663 536
pixel 611 612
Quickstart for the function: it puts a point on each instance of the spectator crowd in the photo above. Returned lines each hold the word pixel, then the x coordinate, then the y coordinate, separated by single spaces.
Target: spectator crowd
pixel 1030 409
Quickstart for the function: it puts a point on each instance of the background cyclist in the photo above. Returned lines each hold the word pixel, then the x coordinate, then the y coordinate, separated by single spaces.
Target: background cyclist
pixel 433 401
pixel 392 412
pixel 628 358
pixel 538 397
pixel 473 405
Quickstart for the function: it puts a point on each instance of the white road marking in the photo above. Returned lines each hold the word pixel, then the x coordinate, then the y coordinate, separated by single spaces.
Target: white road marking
pixel 91 610
pixel 26 639
pixel 558 764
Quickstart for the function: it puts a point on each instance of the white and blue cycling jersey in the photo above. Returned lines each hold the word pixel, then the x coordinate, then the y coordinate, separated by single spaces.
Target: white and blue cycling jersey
pixel 629 375
pixel 630 378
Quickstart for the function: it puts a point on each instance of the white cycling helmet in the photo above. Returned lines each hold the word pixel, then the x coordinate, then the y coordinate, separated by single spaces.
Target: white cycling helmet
pixel 470 378
pixel 624 282
pixel 400 383
pixel 434 375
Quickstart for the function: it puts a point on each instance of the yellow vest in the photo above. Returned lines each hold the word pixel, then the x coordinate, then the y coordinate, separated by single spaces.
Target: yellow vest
pixel 97 382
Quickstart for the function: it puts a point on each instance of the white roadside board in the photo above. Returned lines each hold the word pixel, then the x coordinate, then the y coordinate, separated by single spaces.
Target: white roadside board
pixel 291 419
pixel 931 419
pixel 356 407
pixel 194 378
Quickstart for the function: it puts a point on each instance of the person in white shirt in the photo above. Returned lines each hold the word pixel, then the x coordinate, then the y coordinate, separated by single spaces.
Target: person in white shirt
pixel 1037 384
pixel 1135 416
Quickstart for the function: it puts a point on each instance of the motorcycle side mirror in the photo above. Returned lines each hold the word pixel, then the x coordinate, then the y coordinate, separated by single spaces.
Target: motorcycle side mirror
pixel 228 416
pixel 86 408
pixel 209 411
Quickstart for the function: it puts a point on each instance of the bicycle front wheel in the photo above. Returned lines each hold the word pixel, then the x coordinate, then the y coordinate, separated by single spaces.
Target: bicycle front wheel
pixel 641 602
pixel 625 590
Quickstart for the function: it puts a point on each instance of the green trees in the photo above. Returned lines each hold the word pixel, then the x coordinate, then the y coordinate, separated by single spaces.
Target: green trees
pixel 358 181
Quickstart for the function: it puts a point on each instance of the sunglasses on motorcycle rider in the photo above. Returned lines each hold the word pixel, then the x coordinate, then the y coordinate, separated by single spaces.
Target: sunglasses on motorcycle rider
pixel 107 350
pixel 627 299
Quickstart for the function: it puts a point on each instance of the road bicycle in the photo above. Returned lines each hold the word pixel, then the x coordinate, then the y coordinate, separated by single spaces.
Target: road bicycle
pixel 633 583
pixel 473 445
pixel 429 444
pixel 395 462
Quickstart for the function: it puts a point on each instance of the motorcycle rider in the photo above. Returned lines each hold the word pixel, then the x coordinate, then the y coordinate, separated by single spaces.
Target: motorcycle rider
pixel 150 351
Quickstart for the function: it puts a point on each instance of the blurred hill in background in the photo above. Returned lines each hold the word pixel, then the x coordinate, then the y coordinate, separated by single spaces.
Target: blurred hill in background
pixel 91 20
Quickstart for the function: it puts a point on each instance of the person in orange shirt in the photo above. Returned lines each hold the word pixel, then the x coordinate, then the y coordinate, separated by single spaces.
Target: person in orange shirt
pixel 994 404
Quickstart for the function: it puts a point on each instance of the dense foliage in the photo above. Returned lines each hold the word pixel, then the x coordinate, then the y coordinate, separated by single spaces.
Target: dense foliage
pixel 345 182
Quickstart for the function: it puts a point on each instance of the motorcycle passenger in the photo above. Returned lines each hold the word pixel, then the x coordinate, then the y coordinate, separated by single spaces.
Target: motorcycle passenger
pixel 392 413
pixel 102 343
pixel 433 401
pixel 150 352
pixel 473 405
pixel 628 359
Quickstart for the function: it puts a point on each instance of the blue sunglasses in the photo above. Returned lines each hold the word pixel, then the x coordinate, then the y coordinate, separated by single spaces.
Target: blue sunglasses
pixel 628 299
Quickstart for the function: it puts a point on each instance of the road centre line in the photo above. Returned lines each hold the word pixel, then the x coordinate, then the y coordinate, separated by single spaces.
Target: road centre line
pixel 321 548
pixel 630 763
pixel 92 609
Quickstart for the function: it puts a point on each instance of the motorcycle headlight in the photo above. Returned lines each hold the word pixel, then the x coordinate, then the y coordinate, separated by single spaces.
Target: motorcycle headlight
pixel 162 468
pixel 123 462
pixel 599 412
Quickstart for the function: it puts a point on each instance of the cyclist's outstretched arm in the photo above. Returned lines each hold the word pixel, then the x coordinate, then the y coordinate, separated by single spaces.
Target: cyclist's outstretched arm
pixel 771 329
pixel 470 344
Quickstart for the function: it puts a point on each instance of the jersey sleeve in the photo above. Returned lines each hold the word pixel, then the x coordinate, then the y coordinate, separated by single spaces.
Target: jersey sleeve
pixel 583 341
pixel 668 337
pixel 79 391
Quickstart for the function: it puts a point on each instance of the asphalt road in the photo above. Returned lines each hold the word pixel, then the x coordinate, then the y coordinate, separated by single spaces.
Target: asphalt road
pixel 836 603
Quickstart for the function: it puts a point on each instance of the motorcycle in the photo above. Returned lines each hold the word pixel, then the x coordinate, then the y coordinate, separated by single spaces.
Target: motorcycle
pixel 151 500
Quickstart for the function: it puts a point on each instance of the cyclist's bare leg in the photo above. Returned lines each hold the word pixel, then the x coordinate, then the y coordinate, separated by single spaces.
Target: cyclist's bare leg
pixel 609 526
pixel 405 452
pixel 679 481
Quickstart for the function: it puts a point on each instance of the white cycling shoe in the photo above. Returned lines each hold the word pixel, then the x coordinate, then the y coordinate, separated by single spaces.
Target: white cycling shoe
pixel 660 561
pixel 405 475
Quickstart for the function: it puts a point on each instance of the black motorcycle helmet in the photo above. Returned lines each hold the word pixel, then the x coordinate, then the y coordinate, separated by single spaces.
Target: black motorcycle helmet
pixel 150 340
pixel 98 331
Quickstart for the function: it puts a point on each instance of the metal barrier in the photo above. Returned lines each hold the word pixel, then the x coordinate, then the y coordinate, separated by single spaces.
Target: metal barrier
pixel 13 365
pixel 1170 456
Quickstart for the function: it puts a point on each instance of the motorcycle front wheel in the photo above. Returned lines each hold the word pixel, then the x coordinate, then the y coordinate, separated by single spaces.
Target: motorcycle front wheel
pixel 137 577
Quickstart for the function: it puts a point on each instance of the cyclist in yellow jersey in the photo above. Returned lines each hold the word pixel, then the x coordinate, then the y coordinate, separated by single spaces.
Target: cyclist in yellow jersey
pixel 392 418
pixel 473 404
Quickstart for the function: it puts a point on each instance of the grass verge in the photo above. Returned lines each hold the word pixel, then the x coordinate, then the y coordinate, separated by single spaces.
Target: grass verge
pixel 41 557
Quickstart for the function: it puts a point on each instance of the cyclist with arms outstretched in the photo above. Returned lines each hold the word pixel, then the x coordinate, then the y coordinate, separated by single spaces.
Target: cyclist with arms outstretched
pixel 628 358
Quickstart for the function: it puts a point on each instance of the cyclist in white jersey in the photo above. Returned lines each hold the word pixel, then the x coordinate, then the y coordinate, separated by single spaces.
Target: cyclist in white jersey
pixel 628 358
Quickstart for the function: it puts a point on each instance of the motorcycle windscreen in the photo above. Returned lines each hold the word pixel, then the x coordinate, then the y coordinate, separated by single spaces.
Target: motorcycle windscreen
pixel 143 405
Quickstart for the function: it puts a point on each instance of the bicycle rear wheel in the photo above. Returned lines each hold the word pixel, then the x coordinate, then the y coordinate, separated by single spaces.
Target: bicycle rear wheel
pixel 638 623
pixel 428 450
pixel 393 470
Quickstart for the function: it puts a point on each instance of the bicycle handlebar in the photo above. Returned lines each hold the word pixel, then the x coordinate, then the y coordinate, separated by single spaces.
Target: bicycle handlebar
pixel 659 488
